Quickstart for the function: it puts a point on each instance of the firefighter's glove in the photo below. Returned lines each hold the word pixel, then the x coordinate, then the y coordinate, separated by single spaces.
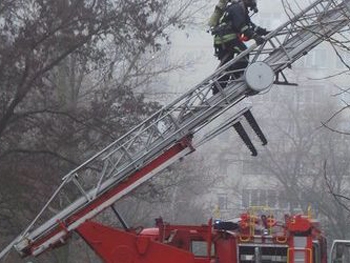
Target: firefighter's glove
pixel 261 31
pixel 259 40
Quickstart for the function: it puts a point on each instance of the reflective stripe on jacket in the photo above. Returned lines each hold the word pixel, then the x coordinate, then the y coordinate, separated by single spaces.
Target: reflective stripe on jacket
pixel 218 40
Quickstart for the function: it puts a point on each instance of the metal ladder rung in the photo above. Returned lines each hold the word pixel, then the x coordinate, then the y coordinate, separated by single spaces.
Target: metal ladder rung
pixel 80 187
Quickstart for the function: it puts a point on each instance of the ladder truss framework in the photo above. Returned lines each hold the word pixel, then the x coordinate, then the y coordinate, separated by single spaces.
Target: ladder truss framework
pixel 166 136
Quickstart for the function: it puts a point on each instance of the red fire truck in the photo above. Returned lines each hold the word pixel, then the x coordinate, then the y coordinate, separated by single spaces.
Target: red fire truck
pixel 252 238
pixel 169 135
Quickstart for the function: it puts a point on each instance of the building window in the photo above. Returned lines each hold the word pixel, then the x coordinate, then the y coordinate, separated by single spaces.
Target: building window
pixel 282 200
pixel 321 58
pixel 222 202
pixel 262 201
pixel 246 198
pixel 254 197
pixel 316 58
pixel 253 168
pixel 272 198
pixel 269 197
pixel 305 95
pixel 345 58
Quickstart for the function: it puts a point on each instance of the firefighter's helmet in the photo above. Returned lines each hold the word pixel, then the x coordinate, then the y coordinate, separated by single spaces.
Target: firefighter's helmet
pixel 252 5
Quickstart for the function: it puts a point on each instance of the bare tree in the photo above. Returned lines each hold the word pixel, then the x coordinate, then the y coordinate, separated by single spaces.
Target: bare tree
pixel 335 169
pixel 296 156
pixel 69 74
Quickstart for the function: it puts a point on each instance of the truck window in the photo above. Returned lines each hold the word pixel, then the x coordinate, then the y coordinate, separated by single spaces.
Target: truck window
pixel 263 254
pixel 199 248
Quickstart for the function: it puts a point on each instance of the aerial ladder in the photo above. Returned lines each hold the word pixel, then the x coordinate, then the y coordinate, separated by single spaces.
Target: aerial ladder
pixel 174 131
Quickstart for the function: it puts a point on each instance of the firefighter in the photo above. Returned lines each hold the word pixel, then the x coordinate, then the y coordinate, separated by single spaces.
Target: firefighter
pixel 233 28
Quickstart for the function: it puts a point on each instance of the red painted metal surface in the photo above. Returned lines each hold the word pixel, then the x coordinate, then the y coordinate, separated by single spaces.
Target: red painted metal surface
pixel 117 246
pixel 229 244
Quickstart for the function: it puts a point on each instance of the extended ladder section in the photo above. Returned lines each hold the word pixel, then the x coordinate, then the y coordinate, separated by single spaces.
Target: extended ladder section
pixel 168 135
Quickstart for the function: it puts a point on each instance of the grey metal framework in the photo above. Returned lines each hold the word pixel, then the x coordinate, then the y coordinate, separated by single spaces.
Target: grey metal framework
pixel 180 119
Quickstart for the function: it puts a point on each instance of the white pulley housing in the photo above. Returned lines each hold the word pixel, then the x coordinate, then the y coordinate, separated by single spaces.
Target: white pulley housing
pixel 259 76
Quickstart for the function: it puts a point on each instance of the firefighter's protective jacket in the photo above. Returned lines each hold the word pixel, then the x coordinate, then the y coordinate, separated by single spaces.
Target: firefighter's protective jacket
pixel 236 22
